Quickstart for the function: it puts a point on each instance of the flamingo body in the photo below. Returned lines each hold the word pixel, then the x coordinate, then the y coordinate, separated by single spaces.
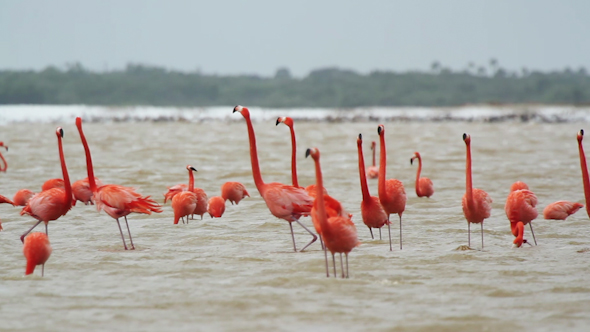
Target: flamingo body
pixel 234 192
pixel 216 207
pixel 82 191
pixel 560 210
pixel 183 204
pixel 37 250
pixel 173 190
pixel 22 197
pixel 53 183
pixel 520 206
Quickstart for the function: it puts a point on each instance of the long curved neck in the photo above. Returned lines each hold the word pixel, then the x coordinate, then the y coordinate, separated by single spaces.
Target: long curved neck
pixel 382 166
pixel 191 181
pixel 585 179
pixel 64 170
pixel 293 157
pixel 418 176
pixel 362 174
pixel 4 162
pixel 468 182
pixel 373 155
pixel 254 155
pixel 89 168
pixel 519 233
pixel 321 205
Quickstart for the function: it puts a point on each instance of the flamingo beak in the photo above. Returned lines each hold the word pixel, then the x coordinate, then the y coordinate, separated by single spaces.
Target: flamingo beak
pixel 307 153
pixel 411 161
pixel 278 121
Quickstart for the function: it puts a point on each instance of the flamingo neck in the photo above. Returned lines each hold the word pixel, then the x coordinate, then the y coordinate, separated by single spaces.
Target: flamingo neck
pixel 373 155
pixel 362 174
pixel 585 178
pixel 191 181
pixel 418 176
pixel 4 162
pixel 64 170
pixel 468 181
pixel 293 157
pixel 518 231
pixel 382 166
pixel 254 155
pixel 89 168
pixel 321 205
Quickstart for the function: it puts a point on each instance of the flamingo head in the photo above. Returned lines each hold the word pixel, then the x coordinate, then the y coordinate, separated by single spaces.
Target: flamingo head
pixel 59 132
pixel 373 144
pixel 314 152
pixel 415 156
pixel 4 146
pixel 79 122
pixel 244 110
pixel 518 185
pixel 381 130
pixel 580 135
pixel 286 120
pixel 359 140
pixel 190 168
pixel 467 139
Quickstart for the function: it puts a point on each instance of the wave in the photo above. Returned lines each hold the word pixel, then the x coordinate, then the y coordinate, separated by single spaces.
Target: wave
pixel 476 113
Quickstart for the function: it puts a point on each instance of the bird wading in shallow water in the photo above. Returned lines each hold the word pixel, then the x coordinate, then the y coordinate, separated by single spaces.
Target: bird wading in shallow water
pixel 37 250
pixel 520 208
pixel 424 186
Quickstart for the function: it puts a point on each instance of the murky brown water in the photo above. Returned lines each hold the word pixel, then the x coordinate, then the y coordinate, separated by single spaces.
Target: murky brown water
pixel 239 272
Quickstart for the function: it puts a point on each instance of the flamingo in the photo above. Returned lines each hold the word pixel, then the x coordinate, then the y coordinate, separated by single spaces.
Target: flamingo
pixel 373 214
pixel 284 201
pixel 82 192
pixel 476 203
pixel 22 197
pixel 584 170
pixel 53 183
pixel 520 208
pixel 424 187
pixel 373 170
pixel 37 250
pixel 6 200
pixel 117 201
pixel 560 210
pixel 51 204
pixel 185 202
pixel 338 232
pixel 173 190
pixel 3 169
pixel 234 192
pixel 518 185
pixel 216 206
pixel 392 194
pixel 311 188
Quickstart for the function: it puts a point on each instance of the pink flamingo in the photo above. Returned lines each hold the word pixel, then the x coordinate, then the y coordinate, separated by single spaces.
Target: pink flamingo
pixel 584 167
pixel 51 204
pixel 37 250
pixel 311 188
pixel 424 187
pixel 234 192
pixel 338 232
pixel 22 197
pixel 117 201
pixel 392 194
pixel 373 170
pixel 560 210
pixel 82 192
pixel 373 214
pixel 520 208
pixel 283 201
pixel 185 202
pixel 476 203
pixel 216 207
pixel 53 183
pixel 3 169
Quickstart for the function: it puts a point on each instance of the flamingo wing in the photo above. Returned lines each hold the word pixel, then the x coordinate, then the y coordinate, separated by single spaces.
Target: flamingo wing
pixel 560 210
pixel 287 202
pixel 520 206
pixel 47 205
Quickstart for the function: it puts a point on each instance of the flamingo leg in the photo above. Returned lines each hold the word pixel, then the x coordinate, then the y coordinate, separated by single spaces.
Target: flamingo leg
pixel 380 238
pixel 469 234
pixel 121 231
pixel 326 258
pixel 315 237
pixel 22 237
pixel 129 231
pixel 371 231
pixel 293 237
pixel 42 269
pixel 531 226
pixel 341 266
pixel 389 231
pixel 400 232
pixel 482 235
pixel 334 265
pixel 322 243
pixel 346 254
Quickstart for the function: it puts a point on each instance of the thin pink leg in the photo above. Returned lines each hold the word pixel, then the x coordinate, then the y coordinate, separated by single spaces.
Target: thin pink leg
pixel 121 231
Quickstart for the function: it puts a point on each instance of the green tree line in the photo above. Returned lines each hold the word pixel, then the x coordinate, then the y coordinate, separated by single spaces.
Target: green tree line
pixel 327 87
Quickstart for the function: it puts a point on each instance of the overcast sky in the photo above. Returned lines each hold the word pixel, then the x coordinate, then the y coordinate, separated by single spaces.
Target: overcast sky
pixel 259 36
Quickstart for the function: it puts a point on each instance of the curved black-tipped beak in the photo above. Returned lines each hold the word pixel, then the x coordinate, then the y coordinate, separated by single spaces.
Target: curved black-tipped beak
pixel 361 137
pixel 464 136
pixel 527 242
pixel 411 161
pixel 379 130
pixel 61 132
pixel 307 153
pixel 582 132
pixel 278 121
pixel 192 168
pixel 235 109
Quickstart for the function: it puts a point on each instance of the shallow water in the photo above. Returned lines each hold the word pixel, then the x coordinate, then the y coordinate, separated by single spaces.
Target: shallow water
pixel 239 272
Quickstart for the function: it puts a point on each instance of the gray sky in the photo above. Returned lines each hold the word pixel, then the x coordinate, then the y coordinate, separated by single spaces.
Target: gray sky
pixel 259 36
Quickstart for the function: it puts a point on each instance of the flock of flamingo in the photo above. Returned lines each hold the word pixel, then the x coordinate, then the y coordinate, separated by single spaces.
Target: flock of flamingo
pixel 333 224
